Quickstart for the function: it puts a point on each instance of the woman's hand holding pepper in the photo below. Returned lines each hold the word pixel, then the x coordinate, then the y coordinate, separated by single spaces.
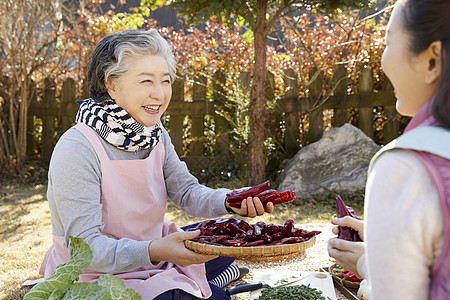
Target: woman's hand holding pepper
pixel 347 253
pixel 350 222
pixel 251 207
pixel 171 249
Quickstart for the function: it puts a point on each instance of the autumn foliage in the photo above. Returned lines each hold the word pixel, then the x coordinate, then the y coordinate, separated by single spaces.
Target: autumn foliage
pixel 300 42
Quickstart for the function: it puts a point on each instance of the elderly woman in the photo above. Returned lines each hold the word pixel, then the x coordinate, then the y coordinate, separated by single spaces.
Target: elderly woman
pixel 111 174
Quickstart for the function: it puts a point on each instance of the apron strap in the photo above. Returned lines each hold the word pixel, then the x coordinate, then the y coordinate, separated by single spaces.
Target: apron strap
pixel 92 137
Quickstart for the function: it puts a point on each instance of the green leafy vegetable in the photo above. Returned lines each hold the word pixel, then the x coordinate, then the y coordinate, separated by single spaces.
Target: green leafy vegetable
pixel 291 293
pixel 60 284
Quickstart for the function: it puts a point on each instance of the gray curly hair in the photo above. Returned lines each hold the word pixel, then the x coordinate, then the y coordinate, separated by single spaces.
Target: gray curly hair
pixel 114 54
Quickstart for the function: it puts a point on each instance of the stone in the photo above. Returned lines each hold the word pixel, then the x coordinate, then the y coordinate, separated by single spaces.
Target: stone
pixel 338 162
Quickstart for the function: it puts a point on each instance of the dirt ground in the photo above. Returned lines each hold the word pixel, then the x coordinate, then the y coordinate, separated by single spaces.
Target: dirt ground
pixel 25 235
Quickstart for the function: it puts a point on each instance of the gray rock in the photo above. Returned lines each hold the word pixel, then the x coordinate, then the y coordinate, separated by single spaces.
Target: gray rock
pixel 337 162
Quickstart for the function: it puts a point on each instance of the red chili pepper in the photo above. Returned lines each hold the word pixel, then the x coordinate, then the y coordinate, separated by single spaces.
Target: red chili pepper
pixel 254 243
pixel 289 240
pixel 287 228
pixel 308 235
pixel 220 239
pixel 297 232
pixel 271 229
pixel 235 198
pixel 258 227
pixel 268 196
pixel 345 274
pixel 236 205
pixel 233 229
pixel 250 192
pixel 252 237
pixel 352 277
pixel 304 234
pixel 208 231
pixel 265 194
pixel 286 196
pixel 201 225
pixel 244 226
pixel 234 242
pixel 267 238
pixel 277 236
pixel 346 233
pixel 271 198
pixel 231 232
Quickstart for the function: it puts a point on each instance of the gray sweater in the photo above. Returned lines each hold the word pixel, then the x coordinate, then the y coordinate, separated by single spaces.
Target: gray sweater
pixel 74 189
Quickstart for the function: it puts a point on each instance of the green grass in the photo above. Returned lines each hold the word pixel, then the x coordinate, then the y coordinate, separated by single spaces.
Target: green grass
pixel 25 226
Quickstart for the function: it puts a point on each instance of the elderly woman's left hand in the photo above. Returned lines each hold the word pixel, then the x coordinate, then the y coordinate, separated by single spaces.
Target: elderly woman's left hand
pixel 251 207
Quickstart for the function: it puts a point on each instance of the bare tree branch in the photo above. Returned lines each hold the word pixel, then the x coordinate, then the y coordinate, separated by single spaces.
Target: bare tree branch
pixel 28 35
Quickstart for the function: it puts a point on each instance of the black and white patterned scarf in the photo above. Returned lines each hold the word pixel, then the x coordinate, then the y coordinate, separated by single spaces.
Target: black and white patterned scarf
pixel 116 126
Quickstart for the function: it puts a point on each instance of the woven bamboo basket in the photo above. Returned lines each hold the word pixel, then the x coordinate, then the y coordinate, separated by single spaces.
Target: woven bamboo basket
pixel 258 252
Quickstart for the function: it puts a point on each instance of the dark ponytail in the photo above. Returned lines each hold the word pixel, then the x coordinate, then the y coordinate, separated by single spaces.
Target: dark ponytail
pixel 427 21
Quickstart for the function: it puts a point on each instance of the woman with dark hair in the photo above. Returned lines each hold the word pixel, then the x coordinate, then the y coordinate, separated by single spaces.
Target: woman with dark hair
pixel 407 204
pixel 111 174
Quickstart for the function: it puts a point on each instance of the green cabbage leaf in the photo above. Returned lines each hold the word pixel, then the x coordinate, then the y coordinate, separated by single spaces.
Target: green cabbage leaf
pixel 61 283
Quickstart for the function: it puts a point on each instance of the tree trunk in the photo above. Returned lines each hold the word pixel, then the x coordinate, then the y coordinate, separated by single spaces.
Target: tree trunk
pixel 256 154
pixel 22 128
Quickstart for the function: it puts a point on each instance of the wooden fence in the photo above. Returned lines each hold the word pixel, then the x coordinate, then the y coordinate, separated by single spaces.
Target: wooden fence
pixel 291 105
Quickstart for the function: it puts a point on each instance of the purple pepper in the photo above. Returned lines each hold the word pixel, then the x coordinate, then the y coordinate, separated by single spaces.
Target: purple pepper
pixel 346 233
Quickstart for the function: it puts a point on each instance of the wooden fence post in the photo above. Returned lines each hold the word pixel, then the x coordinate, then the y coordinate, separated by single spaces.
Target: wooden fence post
pixel 222 126
pixel 292 132
pixel 340 116
pixel 316 112
pixel 49 112
pixel 68 106
pixel 392 127
pixel 365 120
pixel 176 121
pixel 199 95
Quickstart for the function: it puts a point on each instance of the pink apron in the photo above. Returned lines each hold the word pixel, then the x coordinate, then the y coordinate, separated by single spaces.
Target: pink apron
pixel 133 206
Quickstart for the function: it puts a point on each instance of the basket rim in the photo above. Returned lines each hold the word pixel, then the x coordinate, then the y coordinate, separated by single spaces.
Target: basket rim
pixel 265 251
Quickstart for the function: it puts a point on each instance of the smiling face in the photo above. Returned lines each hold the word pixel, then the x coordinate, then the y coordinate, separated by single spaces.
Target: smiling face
pixel 144 91
pixel 408 72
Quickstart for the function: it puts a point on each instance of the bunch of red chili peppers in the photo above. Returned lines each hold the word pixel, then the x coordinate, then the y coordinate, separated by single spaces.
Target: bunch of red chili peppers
pixel 235 198
pixel 231 232
pixel 345 274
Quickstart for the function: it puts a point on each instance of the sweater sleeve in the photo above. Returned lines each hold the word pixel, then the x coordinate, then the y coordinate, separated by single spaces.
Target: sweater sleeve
pixel 184 190
pixel 74 188
pixel 404 228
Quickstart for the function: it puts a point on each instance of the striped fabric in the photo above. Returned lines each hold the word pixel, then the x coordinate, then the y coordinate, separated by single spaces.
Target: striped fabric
pixel 116 126
pixel 230 274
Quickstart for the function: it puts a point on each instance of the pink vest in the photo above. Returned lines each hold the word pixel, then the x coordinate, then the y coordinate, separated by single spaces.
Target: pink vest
pixel 431 145
pixel 133 202
pixel 439 169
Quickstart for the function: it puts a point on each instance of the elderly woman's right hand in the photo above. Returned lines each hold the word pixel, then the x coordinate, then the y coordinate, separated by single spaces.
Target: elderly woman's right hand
pixel 171 249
